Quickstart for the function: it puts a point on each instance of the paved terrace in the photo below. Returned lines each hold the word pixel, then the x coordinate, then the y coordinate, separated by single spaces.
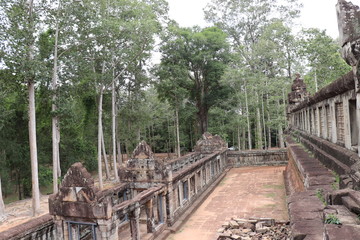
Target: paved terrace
pixel 244 192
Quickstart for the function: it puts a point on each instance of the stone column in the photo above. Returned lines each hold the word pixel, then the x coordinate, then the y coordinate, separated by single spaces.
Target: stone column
pixel 347 123
pixel 318 123
pixel 307 120
pixel 333 122
pixel 107 229
pixel 149 216
pixel 324 117
pixel 134 217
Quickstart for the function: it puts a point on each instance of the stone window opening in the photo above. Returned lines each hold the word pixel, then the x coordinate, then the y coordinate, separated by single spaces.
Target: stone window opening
pixel 354 128
pixel 185 190
pixel 160 209
pixel 81 230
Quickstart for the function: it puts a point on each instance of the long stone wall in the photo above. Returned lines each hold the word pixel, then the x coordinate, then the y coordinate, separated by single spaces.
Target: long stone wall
pixel 35 229
pixel 257 158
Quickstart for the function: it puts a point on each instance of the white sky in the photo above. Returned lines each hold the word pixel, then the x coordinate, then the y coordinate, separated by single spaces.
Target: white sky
pixel 315 13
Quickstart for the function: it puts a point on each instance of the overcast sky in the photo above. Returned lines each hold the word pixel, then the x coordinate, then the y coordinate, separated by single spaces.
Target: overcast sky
pixel 315 13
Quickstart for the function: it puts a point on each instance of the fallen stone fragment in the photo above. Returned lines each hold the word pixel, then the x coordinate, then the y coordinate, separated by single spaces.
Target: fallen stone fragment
pixel 233 224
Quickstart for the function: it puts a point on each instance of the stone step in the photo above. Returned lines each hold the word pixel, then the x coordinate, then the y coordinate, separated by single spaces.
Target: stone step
pixel 351 204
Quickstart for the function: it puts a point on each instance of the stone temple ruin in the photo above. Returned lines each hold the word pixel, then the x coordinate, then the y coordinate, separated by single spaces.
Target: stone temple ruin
pixel 153 197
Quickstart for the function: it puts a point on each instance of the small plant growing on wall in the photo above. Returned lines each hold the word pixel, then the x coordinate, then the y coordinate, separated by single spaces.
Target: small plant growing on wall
pixel 335 185
pixel 320 195
pixel 332 219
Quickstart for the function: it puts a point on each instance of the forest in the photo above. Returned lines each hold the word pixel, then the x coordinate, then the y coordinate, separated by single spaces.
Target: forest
pixel 87 80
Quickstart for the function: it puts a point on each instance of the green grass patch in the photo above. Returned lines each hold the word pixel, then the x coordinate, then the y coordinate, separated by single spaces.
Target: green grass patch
pixel 335 185
pixel 270 195
pixel 273 186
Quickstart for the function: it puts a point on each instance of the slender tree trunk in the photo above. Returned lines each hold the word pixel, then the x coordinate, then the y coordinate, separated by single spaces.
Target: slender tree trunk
pixel 238 137
pixel 101 186
pixel 244 138
pixel 281 138
pixel 248 118
pixel 258 124
pixel 2 205
pixel 113 126
pixel 104 154
pixel 32 122
pixel 55 118
pixel 269 130
pixel 316 82
pixel 177 131
pixel 263 120
pixel 33 150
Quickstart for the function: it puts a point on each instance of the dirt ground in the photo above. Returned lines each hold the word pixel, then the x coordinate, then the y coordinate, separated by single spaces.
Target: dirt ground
pixel 244 192
pixel 20 211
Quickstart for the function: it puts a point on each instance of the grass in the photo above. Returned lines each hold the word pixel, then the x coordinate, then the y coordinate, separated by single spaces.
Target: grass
pixel 320 195
pixel 273 186
pixel 223 182
pixel 332 219
pixel 270 195
pixel 335 185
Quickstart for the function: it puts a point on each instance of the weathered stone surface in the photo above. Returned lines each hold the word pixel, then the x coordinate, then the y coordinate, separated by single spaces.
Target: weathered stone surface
pixel 336 232
pixel 234 224
pixel 298 91
pixel 210 144
pixel 142 151
pixel 259 230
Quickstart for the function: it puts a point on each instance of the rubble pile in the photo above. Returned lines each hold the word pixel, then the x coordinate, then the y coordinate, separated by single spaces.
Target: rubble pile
pixel 253 229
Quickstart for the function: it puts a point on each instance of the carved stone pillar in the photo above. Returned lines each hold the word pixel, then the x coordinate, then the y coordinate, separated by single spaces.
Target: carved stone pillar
pixel 134 217
pixel 150 216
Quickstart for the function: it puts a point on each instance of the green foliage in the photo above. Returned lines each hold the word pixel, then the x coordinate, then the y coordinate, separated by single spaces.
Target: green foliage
pixel 335 185
pixel 193 61
pixel 332 219
pixel 45 175
pixel 320 195
pixel 323 56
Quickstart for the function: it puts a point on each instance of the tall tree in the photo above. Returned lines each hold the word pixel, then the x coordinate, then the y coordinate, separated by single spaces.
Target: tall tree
pixel 201 54
pixel 20 23
pixel 322 53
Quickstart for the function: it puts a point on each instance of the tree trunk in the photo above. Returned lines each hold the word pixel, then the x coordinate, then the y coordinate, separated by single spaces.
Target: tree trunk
pixel 104 154
pixel 2 205
pixel 113 127
pixel 269 130
pixel 244 138
pixel 281 139
pixel 258 124
pixel 248 118
pixel 100 137
pixel 32 121
pixel 238 137
pixel 33 151
pixel 263 120
pixel 55 119
pixel 177 131
pixel 203 119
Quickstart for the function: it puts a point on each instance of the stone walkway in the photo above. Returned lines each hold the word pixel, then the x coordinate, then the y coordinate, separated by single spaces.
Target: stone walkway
pixel 244 192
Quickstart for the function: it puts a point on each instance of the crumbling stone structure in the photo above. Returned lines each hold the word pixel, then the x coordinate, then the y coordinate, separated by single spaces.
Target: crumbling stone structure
pixel 151 194
pixel 327 125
